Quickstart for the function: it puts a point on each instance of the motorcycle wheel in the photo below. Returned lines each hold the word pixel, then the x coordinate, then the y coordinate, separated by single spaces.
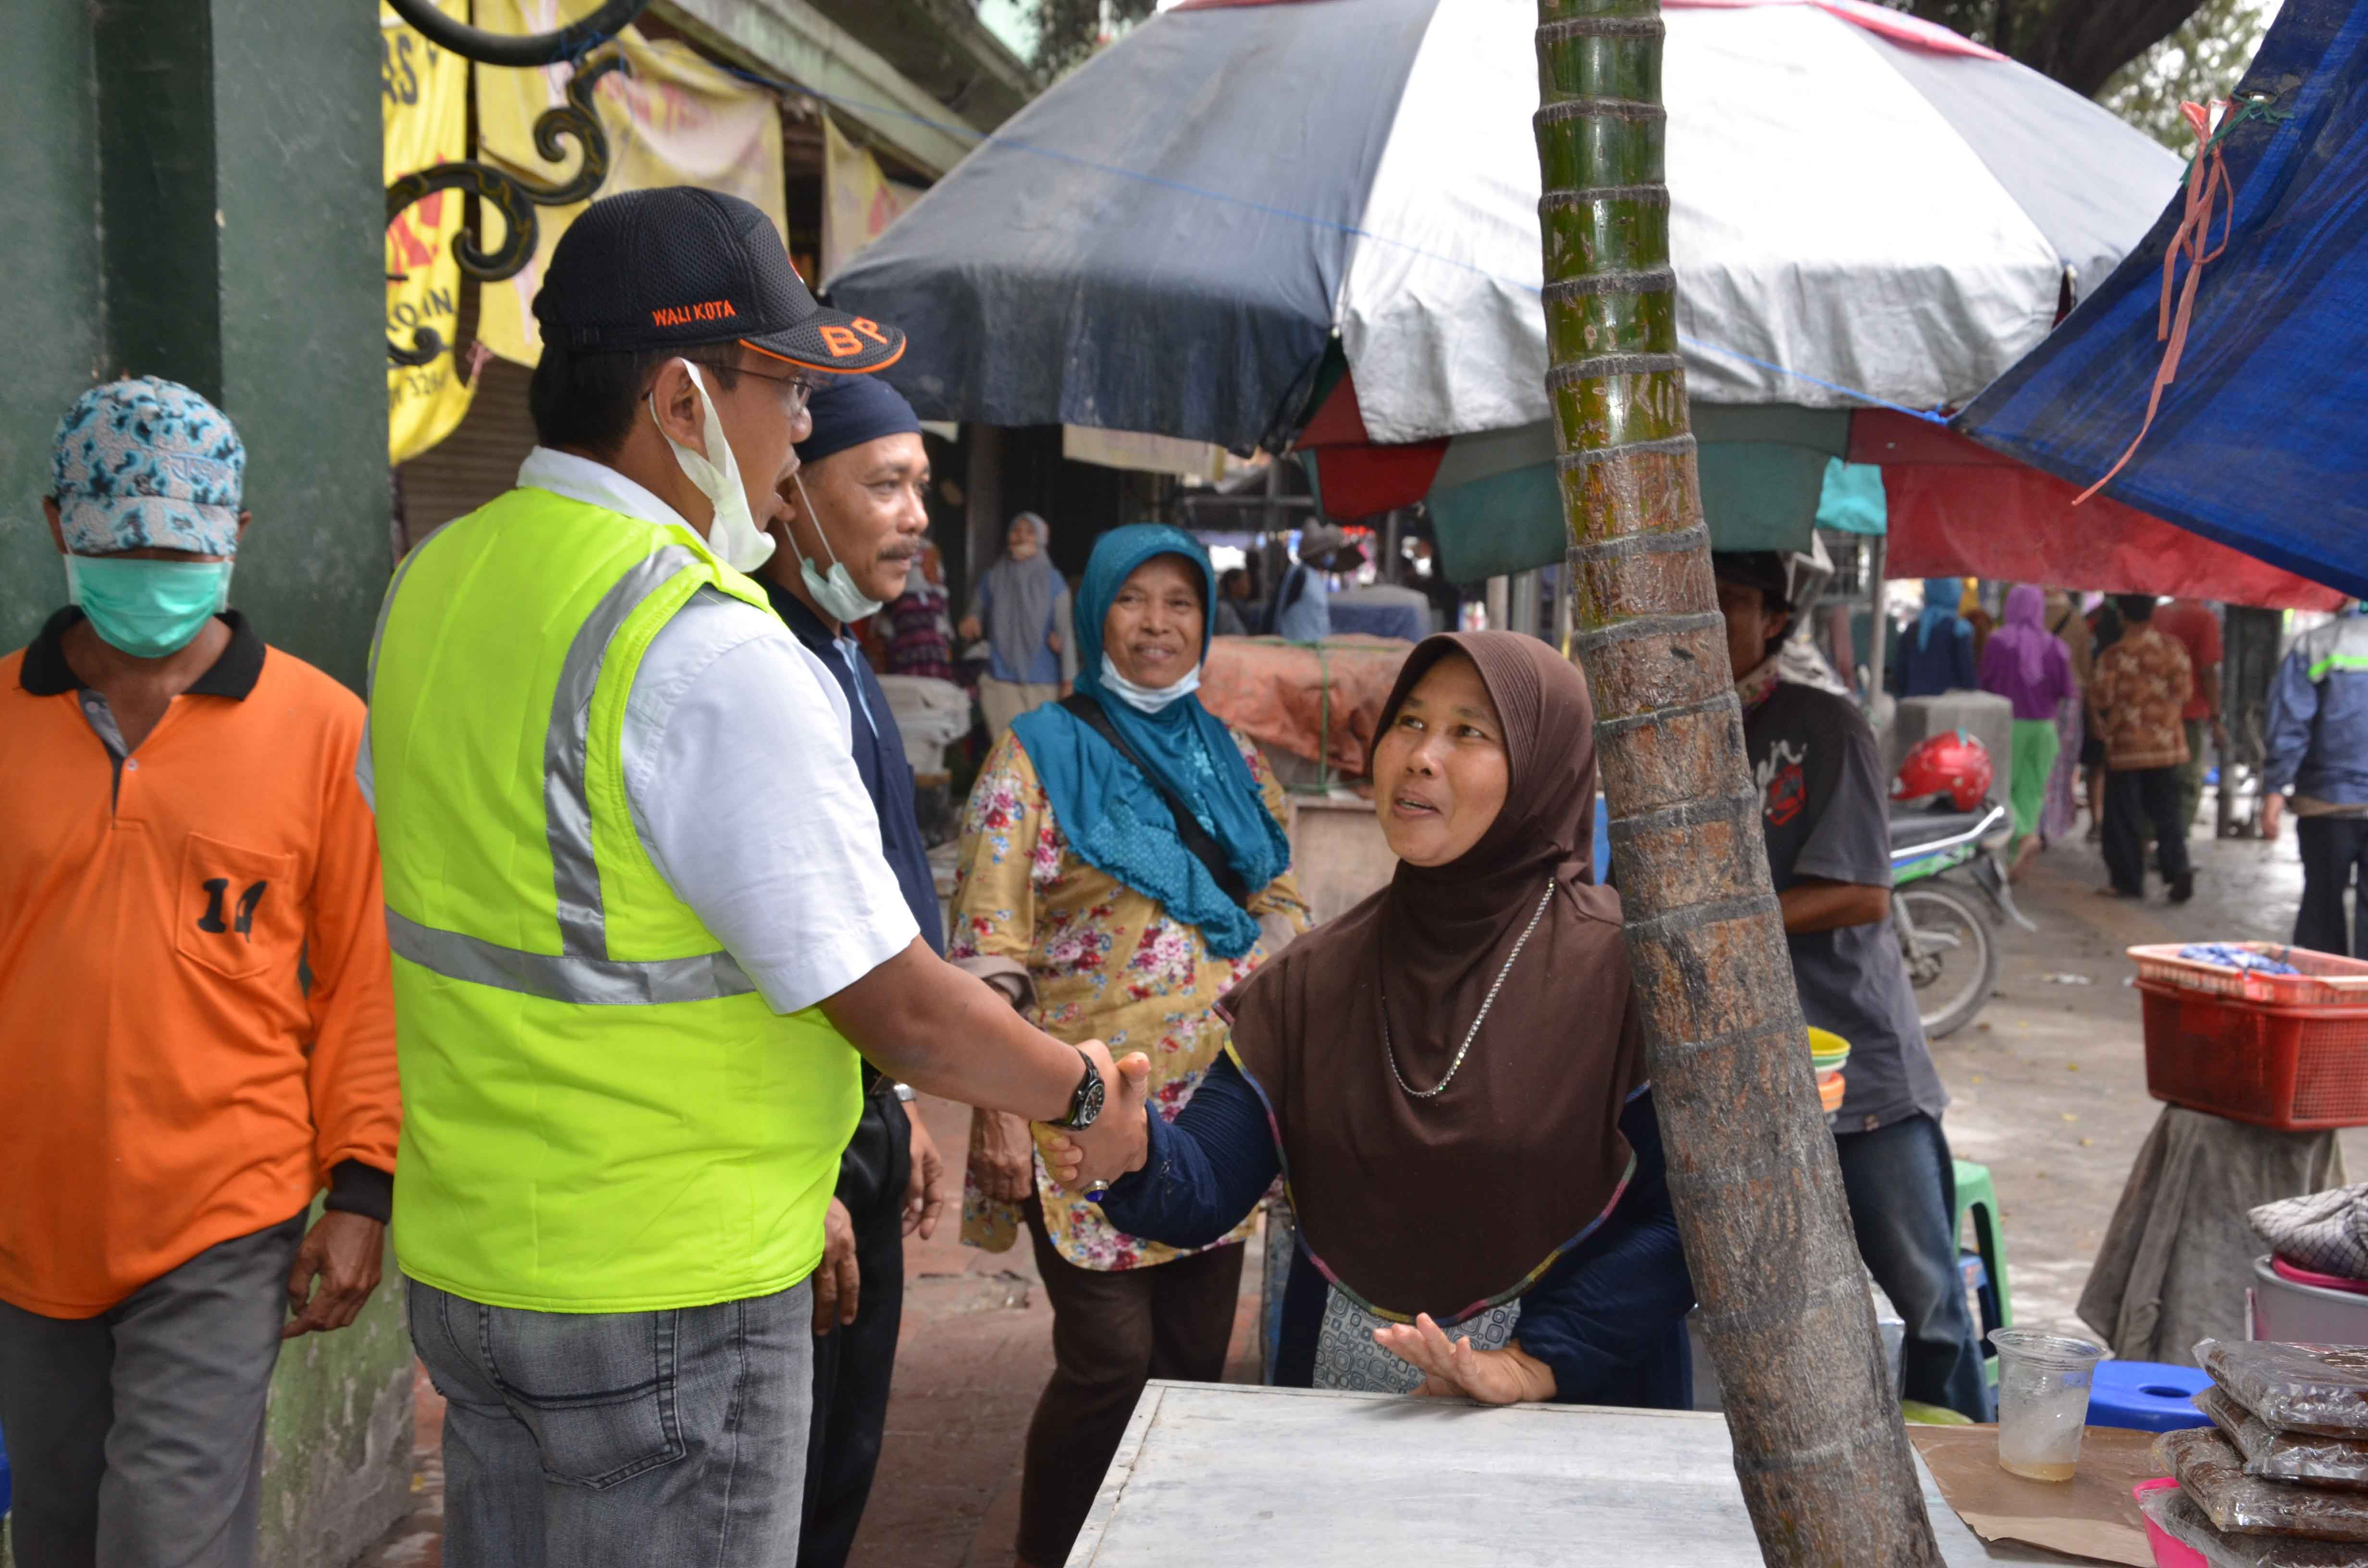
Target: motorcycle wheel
pixel 1953 963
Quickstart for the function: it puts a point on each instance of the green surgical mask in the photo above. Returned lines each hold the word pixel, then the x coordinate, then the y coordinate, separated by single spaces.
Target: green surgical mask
pixel 147 609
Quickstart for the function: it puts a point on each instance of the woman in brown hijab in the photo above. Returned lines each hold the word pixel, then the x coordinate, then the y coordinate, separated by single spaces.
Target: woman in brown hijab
pixel 1449 1077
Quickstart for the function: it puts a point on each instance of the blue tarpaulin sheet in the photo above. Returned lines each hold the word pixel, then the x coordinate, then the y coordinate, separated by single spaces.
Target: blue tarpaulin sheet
pixel 2262 439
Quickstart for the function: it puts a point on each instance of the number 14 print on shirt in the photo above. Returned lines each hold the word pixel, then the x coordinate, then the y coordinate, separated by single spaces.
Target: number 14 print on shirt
pixel 239 910
pixel 211 920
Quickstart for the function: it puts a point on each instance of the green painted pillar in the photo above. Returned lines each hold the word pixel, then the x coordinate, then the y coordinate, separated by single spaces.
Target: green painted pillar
pixel 50 314
pixel 194 192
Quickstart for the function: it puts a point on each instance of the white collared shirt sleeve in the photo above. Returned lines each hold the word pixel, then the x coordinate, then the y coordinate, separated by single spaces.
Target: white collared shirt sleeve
pixel 745 793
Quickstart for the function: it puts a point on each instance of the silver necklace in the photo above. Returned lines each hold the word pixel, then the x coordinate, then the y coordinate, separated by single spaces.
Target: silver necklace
pixel 1473 1032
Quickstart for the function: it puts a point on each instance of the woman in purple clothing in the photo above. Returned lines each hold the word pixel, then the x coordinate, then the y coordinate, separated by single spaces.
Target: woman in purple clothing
pixel 2026 664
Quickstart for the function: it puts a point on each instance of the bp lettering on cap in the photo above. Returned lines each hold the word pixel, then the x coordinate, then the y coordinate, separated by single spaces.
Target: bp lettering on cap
pixel 683 315
pixel 842 341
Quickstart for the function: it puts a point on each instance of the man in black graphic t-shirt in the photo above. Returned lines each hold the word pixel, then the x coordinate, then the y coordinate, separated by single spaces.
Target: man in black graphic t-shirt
pixel 1823 807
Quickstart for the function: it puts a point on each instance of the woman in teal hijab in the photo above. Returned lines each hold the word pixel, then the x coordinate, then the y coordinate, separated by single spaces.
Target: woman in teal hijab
pixel 1115 809
pixel 1079 893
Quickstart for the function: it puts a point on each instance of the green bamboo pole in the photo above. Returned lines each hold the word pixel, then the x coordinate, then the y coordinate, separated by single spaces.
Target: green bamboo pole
pixel 1818 1444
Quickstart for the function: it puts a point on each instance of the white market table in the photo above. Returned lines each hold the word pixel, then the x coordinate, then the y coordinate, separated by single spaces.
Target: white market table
pixel 1224 1474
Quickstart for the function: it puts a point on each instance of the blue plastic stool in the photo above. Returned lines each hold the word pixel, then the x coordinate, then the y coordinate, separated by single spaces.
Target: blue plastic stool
pixel 2146 1396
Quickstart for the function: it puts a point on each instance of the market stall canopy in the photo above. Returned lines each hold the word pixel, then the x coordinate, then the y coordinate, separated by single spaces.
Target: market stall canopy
pixel 1957 509
pixel 1769 472
pixel 2257 444
pixel 1864 207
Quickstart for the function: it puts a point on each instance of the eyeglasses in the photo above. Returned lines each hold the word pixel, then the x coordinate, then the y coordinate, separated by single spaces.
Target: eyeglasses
pixel 802 387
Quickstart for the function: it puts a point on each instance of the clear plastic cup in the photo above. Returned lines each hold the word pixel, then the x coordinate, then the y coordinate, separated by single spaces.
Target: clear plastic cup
pixel 2042 1401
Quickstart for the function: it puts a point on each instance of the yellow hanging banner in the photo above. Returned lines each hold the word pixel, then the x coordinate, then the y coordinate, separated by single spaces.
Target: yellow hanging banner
pixel 859 200
pixel 671 118
pixel 426 99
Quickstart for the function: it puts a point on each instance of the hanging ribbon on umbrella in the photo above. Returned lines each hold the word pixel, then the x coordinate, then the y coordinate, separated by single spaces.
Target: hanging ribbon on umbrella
pixel 2207 185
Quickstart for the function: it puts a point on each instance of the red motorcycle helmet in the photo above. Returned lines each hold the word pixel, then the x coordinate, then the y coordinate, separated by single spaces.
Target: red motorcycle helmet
pixel 1952 765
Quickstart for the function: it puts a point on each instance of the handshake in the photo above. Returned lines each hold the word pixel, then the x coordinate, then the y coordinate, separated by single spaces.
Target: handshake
pixel 1084 1159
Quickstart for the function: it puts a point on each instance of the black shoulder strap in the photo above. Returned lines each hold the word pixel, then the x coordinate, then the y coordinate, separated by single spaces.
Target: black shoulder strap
pixel 1205 849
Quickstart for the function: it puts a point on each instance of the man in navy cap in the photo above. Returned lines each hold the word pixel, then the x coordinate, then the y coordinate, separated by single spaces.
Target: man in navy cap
pixel 852 521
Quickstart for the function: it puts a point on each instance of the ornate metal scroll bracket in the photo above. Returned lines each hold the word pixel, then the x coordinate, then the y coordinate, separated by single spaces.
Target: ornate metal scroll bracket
pixel 569 42
pixel 513 198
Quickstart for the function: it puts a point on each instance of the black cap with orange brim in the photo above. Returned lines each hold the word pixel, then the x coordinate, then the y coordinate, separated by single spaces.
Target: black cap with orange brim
pixel 678 266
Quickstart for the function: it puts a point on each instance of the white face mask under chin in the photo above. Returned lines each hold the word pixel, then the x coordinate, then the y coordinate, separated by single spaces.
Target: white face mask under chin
pixel 1148 698
pixel 734 535
pixel 835 594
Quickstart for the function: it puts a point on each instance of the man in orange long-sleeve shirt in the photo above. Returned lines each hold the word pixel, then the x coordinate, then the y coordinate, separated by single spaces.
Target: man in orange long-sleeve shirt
pixel 183 841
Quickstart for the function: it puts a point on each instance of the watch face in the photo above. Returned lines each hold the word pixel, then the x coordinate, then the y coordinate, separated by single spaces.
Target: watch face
pixel 1088 1108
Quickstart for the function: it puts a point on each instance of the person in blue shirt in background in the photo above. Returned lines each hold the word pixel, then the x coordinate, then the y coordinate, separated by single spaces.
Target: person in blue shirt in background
pixel 851 525
pixel 1936 655
pixel 1303 609
pixel 2318 755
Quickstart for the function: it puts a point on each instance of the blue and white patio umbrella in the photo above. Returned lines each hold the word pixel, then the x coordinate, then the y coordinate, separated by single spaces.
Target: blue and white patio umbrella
pixel 1193 234
pixel 1170 239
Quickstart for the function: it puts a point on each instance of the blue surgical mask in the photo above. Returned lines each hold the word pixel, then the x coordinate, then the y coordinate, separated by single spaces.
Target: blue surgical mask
pixel 835 594
pixel 1148 698
pixel 147 609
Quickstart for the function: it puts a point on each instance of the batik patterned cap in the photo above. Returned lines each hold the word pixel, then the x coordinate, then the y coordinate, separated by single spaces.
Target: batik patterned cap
pixel 147 464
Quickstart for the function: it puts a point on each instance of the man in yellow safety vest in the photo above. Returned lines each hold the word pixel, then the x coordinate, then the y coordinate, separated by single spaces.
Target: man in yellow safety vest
pixel 643 924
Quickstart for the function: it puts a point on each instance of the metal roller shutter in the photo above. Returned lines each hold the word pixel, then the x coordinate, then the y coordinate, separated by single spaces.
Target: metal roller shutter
pixel 477 461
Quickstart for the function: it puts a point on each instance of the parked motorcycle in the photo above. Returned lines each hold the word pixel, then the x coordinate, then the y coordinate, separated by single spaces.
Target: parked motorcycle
pixel 1943 936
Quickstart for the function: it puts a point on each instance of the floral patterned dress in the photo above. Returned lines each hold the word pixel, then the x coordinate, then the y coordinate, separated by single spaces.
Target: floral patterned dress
pixel 2137 690
pixel 1108 964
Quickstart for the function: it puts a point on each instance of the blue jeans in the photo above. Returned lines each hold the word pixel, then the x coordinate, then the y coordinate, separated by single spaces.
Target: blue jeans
pixel 621 1439
pixel 1903 1192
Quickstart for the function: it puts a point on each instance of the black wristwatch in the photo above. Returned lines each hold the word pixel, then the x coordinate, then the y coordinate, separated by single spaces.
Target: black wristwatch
pixel 1086 1104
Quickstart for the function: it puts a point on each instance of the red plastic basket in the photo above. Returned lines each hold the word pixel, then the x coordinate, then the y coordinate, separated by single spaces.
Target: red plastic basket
pixel 2295 1069
pixel 2327 979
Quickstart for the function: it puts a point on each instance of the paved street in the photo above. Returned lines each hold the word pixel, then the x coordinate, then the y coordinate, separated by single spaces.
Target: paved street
pixel 2049 1089
pixel 2050 1082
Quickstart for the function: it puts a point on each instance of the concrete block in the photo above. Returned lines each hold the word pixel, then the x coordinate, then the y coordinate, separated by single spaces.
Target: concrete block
pixel 1338 851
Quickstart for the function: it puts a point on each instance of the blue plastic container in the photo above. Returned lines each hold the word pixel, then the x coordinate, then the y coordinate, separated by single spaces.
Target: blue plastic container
pixel 2146 1396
